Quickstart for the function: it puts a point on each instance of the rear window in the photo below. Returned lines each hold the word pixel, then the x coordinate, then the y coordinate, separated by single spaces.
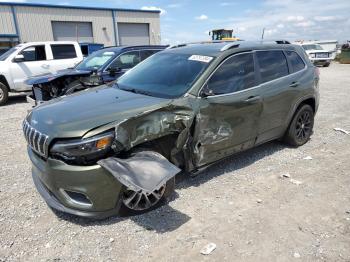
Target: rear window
pixel 63 51
pixel 296 61
pixel 273 65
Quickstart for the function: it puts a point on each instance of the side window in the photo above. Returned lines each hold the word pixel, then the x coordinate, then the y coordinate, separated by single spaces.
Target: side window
pixel 126 60
pixel 235 74
pixel 273 64
pixel 296 61
pixel 147 53
pixel 34 53
pixel 63 51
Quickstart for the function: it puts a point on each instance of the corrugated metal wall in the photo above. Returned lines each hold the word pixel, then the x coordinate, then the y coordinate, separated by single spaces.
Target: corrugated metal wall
pixel 35 22
pixel 141 17
pixel 7 25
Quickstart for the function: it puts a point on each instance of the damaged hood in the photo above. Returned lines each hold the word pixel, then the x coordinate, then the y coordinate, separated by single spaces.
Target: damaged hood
pixel 75 115
pixel 45 78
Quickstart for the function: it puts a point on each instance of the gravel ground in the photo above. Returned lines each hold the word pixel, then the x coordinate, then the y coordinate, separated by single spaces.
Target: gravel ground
pixel 241 204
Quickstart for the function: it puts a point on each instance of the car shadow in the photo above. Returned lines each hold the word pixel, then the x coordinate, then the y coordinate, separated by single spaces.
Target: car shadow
pixel 161 220
pixel 16 99
pixel 167 219
pixel 232 163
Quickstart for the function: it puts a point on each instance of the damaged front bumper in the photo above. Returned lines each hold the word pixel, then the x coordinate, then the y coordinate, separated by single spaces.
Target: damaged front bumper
pixel 87 191
pixel 96 191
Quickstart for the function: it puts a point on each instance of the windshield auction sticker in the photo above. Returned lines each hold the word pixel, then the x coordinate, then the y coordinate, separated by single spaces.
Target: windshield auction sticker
pixel 200 58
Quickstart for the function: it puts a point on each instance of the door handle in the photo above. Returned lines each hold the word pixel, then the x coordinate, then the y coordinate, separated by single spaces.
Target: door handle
pixel 253 99
pixel 45 66
pixel 294 84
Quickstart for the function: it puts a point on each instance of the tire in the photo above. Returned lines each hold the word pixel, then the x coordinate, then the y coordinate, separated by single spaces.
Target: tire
pixel 168 191
pixel 300 128
pixel 326 65
pixel 4 94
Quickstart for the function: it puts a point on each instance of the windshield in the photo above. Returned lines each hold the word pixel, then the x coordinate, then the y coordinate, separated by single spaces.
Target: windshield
pixel 312 47
pixel 166 75
pixel 5 55
pixel 96 60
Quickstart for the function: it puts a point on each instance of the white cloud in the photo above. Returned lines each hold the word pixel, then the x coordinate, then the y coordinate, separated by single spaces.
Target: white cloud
pixel 324 18
pixel 162 11
pixel 201 17
pixel 293 18
pixel 305 24
pixel 227 4
pixel 174 5
pixel 280 26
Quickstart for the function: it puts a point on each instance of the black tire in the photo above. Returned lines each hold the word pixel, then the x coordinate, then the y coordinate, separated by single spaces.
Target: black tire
pixel 4 94
pixel 326 65
pixel 300 128
pixel 169 190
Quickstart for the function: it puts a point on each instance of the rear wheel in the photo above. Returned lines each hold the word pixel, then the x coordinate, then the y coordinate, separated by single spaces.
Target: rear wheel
pixel 4 94
pixel 300 129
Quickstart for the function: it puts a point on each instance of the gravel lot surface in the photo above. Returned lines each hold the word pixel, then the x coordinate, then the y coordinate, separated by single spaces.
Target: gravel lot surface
pixel 242 204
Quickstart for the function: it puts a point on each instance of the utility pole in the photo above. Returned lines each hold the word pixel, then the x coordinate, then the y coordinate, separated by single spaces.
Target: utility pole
pixel 263 32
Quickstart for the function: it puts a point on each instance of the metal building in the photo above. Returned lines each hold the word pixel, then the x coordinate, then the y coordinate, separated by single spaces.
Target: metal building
pixel 24 22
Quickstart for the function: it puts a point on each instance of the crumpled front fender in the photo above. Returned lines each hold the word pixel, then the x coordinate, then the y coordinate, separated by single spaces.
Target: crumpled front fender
pixel 145 171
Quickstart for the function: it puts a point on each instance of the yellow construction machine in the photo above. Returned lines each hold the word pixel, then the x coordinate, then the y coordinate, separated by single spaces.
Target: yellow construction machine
pixel 222 34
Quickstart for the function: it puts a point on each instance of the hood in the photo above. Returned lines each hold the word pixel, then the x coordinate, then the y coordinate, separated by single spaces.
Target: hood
pixel 75 115
pixel 45 78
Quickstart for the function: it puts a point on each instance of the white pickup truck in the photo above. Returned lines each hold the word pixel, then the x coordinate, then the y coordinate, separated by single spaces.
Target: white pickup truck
pixel 34 58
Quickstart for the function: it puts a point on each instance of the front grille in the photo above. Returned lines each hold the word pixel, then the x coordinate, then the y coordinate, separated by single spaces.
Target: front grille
pixel 36 140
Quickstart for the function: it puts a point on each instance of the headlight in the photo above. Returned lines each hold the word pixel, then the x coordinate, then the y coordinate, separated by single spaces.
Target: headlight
pixel 312 55
pixel 83 151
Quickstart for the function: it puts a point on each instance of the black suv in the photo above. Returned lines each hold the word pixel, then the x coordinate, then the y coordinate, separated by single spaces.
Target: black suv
pixel 101 67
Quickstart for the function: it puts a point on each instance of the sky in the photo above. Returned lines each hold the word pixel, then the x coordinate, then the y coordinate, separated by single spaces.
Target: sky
pixel 188 21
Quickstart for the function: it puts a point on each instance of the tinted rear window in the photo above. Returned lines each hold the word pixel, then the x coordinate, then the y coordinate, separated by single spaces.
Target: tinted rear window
pixel 63 51
pixel 273 64
pixel 296 61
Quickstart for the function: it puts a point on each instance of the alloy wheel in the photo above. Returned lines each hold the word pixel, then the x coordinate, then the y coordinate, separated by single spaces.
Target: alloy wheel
pixel 1 94
pixel 303 126
pixel 137 200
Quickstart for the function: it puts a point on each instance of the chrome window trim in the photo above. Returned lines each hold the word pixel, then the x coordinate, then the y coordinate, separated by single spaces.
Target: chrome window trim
pixel 253 87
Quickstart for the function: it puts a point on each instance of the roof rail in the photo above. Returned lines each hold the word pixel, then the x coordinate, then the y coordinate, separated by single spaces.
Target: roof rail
pixel 229 46
pixel 202 42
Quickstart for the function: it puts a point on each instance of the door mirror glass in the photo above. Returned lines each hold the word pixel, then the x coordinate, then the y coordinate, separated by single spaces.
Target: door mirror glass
pixel 18 58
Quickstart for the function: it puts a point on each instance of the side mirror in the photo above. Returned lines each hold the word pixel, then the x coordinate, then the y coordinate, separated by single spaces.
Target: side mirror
pixel 18 58
pixel 206 91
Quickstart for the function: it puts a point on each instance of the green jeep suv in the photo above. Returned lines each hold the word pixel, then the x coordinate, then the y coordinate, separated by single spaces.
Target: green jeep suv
pixel 116 149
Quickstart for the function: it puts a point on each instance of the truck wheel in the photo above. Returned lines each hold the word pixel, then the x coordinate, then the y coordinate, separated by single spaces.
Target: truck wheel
pixel 300 129
pixel 326 64
pixel 135 203
pixel 4 94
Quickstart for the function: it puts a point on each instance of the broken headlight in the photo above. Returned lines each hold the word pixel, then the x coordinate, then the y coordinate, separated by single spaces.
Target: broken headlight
pixel 83 151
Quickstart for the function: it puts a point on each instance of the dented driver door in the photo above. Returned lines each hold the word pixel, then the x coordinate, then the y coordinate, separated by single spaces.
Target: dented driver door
pixel 229 112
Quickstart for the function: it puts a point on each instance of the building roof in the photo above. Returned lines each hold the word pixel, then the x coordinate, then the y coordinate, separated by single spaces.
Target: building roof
pixel 78 7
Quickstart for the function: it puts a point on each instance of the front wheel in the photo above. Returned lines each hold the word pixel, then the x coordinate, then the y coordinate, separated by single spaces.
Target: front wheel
pixel 138 202
pixel 300 129
pixel 4 94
